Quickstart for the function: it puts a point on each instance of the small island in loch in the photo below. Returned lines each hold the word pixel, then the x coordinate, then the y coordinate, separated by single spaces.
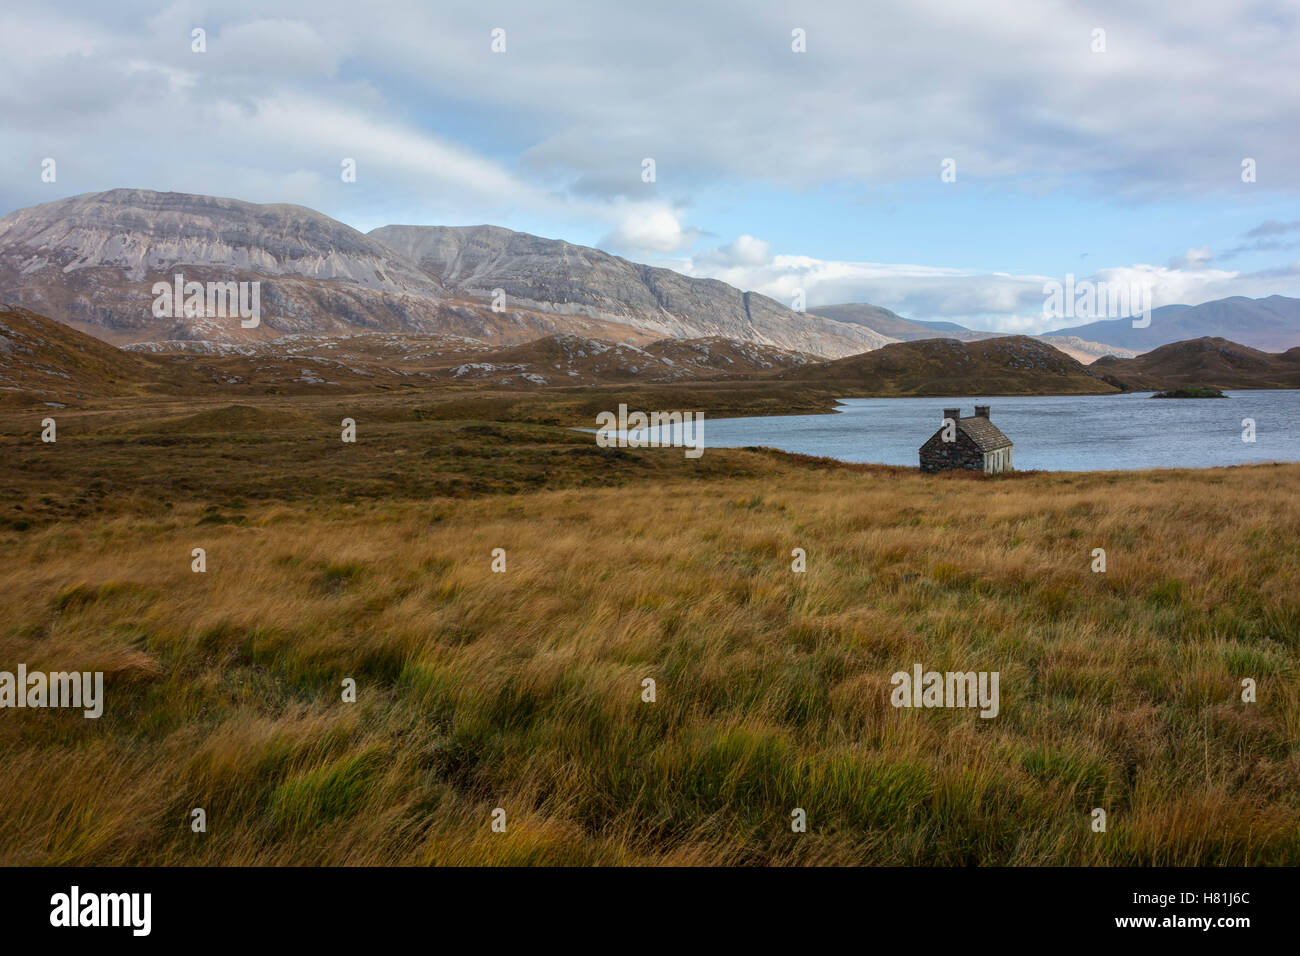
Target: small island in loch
pixel 1199 391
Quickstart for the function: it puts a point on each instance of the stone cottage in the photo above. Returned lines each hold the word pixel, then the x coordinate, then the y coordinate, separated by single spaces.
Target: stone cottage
pixel 974 443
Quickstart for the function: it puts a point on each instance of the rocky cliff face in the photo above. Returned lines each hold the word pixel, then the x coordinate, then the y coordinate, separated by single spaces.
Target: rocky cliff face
pixel 92 260
pixel 142 232
pixel 558 277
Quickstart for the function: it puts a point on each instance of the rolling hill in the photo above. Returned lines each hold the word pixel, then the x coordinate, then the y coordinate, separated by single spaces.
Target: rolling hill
pixel 1007 365
pixel 42 361
pixel 1208 361
pixel 385 360
pixel 46 362
pixel 914 330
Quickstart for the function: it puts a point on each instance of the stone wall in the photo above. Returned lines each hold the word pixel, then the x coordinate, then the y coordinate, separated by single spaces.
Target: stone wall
pixel 940 455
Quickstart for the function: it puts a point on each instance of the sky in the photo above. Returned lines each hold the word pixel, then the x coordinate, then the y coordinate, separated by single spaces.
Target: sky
pixel 944 160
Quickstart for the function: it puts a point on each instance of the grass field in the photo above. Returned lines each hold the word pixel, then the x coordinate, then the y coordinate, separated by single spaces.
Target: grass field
pixel 522 690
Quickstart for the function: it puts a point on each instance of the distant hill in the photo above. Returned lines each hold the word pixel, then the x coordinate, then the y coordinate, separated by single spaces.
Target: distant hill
pixel 1085 352
pixel 943 326
pixel 896 327
pixel 45 362
pixel 385 360
pixel 1007 365
pixel 914 330
pixel 708 356
pixel 1209 361
pixel 1271 324
pixel 572 360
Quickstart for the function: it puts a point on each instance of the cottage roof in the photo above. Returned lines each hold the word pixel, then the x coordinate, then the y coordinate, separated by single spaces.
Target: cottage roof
pixel 986 436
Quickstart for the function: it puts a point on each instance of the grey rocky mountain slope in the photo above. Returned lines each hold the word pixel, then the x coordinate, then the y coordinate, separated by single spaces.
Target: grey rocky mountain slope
pixel 559 277
pixel 882 320
pixel 142 232
pixel 91 261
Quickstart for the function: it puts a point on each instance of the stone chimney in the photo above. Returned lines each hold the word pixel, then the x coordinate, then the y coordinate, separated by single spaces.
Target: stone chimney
pixel 981 411
pixel 953 413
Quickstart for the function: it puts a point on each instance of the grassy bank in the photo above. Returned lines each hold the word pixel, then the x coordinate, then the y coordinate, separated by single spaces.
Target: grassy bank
pixel 523 690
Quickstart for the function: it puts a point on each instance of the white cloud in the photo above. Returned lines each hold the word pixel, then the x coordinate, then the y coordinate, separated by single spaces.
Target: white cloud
pixel 649 229
pixel 1192 259
pixel 743 252
pixel 991 301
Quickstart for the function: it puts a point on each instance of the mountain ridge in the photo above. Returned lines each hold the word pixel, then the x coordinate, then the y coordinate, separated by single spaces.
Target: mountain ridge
pixel 1271 324
pixel 559 277
pixel 91 260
